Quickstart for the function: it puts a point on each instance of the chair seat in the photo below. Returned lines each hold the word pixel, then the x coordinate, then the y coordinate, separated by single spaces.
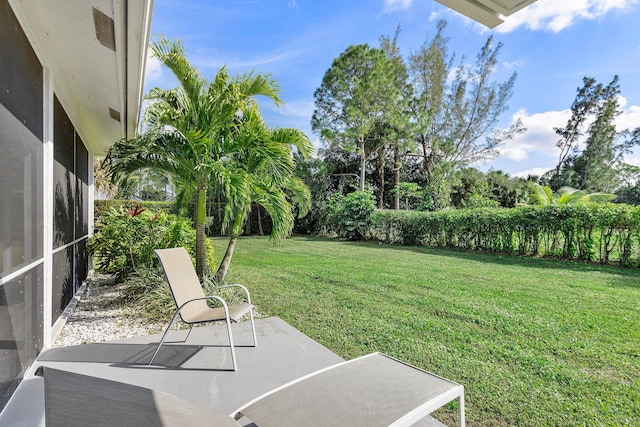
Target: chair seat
pixel 209 314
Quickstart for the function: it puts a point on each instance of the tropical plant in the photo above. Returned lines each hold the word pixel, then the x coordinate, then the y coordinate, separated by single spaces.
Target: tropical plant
pixel 125 239
pixel 543 195
pixel 261 168
pixel 209 134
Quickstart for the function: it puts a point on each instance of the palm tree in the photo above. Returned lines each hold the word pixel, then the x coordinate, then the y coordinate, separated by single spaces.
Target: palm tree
pixel 261 169
pixel 199 133
pixel 542 195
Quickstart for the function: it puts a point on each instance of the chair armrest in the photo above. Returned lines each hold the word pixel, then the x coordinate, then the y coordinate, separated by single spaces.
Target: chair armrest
pixel 237 285
pixel 208 297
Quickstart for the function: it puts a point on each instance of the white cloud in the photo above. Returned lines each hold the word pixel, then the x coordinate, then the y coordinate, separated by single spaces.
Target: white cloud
pixel 513 64
pixel 532 171
pixel 539 137
pixel 153 68
pixel 555 15
pixel 242 63
pixel 393 5
pixel 630 117
pixel 297 109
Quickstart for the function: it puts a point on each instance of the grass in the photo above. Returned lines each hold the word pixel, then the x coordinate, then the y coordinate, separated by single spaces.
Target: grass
pixel 534 341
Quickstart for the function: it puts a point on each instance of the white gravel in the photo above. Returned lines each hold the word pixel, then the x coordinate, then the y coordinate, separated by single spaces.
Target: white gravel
pixel 103 315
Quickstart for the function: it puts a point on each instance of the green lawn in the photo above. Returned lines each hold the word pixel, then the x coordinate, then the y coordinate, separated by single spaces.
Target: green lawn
pixel 534 342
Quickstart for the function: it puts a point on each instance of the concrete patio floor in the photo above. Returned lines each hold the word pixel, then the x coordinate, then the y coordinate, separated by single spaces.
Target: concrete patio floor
pixel 197 371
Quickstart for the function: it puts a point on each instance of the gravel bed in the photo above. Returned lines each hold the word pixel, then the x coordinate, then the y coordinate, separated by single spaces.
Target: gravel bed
pixel 103 315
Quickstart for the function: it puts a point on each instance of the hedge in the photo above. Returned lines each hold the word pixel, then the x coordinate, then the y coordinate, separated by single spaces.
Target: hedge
pixel 604 233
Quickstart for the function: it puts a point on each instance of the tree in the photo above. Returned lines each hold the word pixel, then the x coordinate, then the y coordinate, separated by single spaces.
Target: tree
pixel 351 101
pixel 397 118
pixel 456 119
pixel 261 169
pixel 598 167
pixel 198 133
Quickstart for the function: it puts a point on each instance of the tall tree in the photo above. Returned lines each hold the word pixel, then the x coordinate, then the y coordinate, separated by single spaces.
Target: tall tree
pixel 352 99
pixel 193 134
pixel 397 119
pixel 599 165
pixel 457 118
pixel 581 110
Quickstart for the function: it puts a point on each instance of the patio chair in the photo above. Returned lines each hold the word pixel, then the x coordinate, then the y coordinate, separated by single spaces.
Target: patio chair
pixel 373 390
pixel 191 302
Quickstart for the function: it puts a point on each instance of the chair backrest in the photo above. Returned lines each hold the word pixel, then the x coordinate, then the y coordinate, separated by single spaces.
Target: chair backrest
pixel 183 281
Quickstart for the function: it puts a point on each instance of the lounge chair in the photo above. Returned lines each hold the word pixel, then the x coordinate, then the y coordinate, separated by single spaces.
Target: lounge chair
pixel 191 302
pixel 373 390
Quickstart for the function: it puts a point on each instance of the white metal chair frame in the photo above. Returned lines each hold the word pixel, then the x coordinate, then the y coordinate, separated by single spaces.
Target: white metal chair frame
pixel 180 255
pixel 227 320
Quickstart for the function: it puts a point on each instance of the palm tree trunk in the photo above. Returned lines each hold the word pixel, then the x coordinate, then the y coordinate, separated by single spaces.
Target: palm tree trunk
pixel 235 232
pixel 226 261
pixel 260 230
pixel 201 255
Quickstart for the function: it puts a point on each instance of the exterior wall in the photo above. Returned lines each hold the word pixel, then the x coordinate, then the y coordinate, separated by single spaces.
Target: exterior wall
pixel 44 205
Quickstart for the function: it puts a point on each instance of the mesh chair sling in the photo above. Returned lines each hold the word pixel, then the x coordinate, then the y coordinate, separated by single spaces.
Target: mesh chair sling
pixel 191 302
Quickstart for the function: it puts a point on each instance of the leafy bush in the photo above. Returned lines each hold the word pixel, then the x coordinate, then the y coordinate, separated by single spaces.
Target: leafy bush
pixel 103 206
pixel 350 216
pixel 125 239
pixel 597 232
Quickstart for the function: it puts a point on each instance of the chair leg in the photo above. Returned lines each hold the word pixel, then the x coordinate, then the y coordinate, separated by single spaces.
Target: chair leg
pixel 164 336
pixel 188 333
pixel 253 328
pixel 233 350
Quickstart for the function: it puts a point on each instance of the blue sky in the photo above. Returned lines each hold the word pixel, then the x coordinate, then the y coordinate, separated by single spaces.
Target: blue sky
pixel 552 45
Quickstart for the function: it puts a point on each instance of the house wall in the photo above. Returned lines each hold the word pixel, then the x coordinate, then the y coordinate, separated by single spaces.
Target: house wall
pixel 44 205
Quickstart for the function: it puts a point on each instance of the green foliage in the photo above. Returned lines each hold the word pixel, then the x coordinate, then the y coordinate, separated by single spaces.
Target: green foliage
pixel 356 103
pixel 125 239
pixel 407 191
pixel 149 290
pixel 210 135
pixel 543 195
pixel 595 232
pixel 103 206
pixel 350 216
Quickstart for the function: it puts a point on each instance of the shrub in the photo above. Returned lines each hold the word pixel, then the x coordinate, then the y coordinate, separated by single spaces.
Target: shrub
pixel 596 232
pixel 350 216
pixel 125 239
pixel 103 206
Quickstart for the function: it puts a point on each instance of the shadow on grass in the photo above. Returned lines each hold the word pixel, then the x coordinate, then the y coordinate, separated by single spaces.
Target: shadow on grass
pixel 624 277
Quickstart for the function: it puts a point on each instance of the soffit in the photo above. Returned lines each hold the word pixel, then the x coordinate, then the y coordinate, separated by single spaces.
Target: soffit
pixel 487 12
